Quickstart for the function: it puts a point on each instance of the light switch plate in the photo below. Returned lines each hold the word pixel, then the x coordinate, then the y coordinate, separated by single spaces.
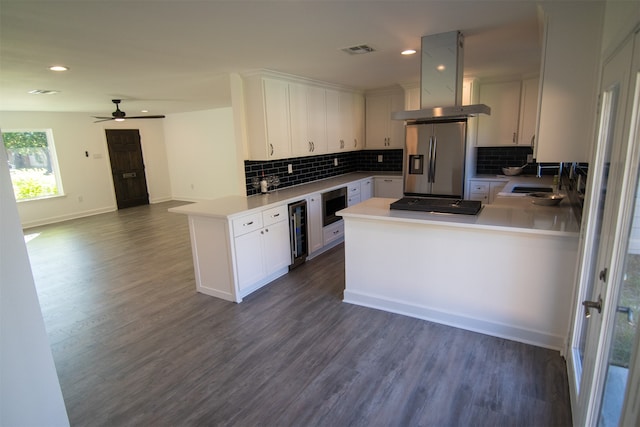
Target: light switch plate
pixel 290 168
pixel 529 158
pixel 379 158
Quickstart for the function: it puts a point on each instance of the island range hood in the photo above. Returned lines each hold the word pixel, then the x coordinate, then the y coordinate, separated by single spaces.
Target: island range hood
pixel 441 81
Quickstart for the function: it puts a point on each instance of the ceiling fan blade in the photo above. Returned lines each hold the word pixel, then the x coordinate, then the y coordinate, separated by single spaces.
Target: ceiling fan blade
pixel 146 117
pixel 102 119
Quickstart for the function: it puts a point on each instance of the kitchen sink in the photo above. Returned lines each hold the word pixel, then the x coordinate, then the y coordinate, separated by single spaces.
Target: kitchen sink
pixel 525 189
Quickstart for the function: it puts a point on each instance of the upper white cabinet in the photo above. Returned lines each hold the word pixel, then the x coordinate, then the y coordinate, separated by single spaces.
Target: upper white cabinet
pixel 267 108
pixel 501 127
pixel 308 111
pixel 569 78
pixel 514 108
pixel 345 119
pixel 381 131
pixel 288 117
pixel 528 111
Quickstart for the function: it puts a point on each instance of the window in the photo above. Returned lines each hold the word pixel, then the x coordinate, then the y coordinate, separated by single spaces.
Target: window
pixel 32 164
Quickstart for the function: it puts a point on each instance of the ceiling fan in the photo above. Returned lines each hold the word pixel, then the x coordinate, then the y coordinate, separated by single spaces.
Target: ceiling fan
pixel 119 115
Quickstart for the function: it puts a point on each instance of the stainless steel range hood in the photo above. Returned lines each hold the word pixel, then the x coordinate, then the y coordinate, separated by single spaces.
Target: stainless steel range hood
pixel 441 81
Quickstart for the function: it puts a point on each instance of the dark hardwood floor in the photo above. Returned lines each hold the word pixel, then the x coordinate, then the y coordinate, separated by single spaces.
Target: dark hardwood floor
pixel 134 344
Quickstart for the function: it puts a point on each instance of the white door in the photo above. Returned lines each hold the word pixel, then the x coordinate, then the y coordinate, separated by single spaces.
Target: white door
pixel 602 343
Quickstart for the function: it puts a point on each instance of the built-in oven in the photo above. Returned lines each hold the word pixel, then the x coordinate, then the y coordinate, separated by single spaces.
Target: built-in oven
pixel 332 202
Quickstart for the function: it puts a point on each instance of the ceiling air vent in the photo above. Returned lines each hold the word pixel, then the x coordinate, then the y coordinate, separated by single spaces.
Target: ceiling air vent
pixel 358 50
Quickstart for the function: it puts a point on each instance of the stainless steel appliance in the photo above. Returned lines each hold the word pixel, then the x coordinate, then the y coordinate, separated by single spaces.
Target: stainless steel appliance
pixel 332 202
pixel 298 232
pixel 434 159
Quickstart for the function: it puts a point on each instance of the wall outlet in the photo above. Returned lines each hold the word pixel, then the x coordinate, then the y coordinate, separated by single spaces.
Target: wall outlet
pixel 290 168
pixel 335 162
pixel 379 158
pixel 529 158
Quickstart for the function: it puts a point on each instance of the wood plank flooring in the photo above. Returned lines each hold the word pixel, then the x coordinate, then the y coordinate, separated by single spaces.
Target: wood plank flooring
pixel 135 345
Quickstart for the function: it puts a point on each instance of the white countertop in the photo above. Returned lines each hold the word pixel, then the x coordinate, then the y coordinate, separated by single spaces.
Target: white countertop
pixel 230 206
pixel 506 214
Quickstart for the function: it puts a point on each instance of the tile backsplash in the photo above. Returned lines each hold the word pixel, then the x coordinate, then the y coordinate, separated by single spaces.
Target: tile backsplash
pixel 491 160
pixel 313 168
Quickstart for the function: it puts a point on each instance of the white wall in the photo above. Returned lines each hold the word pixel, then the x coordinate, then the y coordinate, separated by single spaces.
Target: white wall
pixel 203 156
pixel 88 178
pixel 621 17
pixel 30 393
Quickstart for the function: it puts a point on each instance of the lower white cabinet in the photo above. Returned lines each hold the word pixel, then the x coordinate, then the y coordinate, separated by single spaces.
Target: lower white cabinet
pixel 314 222
pixel 262 252
pixel 333 232
pixel 485 191
pixel 391 187
pixel 366 189
pixel 353 193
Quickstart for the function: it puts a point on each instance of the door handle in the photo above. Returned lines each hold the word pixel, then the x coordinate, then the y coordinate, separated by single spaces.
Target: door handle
pixel 603 274
pixel 627 311
pixel 592 304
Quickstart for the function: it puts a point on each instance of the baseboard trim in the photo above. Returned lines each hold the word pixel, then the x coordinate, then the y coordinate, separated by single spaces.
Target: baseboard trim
pixel 62 218
pixel 482 326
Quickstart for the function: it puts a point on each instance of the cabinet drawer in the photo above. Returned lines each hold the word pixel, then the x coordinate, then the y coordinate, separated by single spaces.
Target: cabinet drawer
pixel 273 215
pixel 353 189
pixel 479 187
pixel 333 232
pixel 246 224
pixel 483 197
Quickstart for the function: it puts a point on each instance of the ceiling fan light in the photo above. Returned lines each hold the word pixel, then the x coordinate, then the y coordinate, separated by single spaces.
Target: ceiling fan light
pixel 58 68
pixel 120 119
pixel 408 52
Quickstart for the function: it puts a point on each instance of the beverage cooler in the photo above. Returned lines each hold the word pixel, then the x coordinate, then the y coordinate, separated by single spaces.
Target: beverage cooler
pixel 298 232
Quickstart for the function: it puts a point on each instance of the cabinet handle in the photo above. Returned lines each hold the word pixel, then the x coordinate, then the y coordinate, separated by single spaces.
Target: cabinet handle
pixel 266 230
pixel 342 143
pixel 275 215
pixel 247 223
pixel 355 142
pixel 533 138
pixel 313 146
pixel 271 145
pixel 514 137
pixel 336 232
pixel 388 180
pixel 310 150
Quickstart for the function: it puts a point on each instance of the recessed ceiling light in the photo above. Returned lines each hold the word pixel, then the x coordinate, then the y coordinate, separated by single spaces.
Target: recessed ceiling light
pixel 408 52
pixel 144 111
pixel 58 68
pixel 43 92
pixel 441 67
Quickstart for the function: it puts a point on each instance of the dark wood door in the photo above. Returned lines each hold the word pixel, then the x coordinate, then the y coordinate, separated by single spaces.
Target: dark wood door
pixel 127 167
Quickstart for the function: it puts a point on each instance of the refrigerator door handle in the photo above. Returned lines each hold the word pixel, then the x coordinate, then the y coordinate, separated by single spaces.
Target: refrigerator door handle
pixel 432 169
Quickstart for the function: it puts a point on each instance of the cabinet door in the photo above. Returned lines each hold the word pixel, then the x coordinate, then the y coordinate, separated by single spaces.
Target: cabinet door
pixel 494 189
pixel 389 187
pixel 314 225
pixel 366 189
pixel 249 259
pixel 308 120
pixel 377 123
pixel 276 101
pixel 358 121
pixel 528 112
pixel 277 248
pixel 300 139
pixel 381 131
pixel 501 127
pixel 335 140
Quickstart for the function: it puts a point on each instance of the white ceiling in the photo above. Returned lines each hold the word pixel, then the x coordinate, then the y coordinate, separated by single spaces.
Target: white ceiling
pixel 175 55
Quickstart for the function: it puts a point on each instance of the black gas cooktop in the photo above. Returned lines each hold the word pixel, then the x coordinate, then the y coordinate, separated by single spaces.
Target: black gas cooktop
pixel 438 205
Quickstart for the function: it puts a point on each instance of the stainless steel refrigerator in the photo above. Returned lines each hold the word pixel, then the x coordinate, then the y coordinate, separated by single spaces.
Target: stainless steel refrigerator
pixel 434 158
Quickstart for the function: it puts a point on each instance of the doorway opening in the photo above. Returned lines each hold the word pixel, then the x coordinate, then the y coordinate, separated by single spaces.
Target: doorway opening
pixel 127 167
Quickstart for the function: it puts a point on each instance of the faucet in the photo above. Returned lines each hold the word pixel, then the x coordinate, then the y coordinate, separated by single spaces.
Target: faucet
pixel 559 167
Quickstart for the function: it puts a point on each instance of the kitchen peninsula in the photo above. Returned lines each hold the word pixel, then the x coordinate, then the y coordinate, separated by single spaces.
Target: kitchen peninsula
pixel 507 272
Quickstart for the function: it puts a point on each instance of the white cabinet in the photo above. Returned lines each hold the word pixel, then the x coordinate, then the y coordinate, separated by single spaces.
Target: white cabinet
pixel 267 108
pixel 345 118
pixel 569 76
pixel 485 191
pixel 528 111
pixel 366 189
pixel 314 222
pixel 501 127
pixel 381 131
pixel 332 233
pixel 261 247
pixel 308 113
pixel 391 187
pixel 353 193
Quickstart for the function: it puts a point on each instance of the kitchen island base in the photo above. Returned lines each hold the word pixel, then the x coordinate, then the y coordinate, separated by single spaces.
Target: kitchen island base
pixel 511 284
